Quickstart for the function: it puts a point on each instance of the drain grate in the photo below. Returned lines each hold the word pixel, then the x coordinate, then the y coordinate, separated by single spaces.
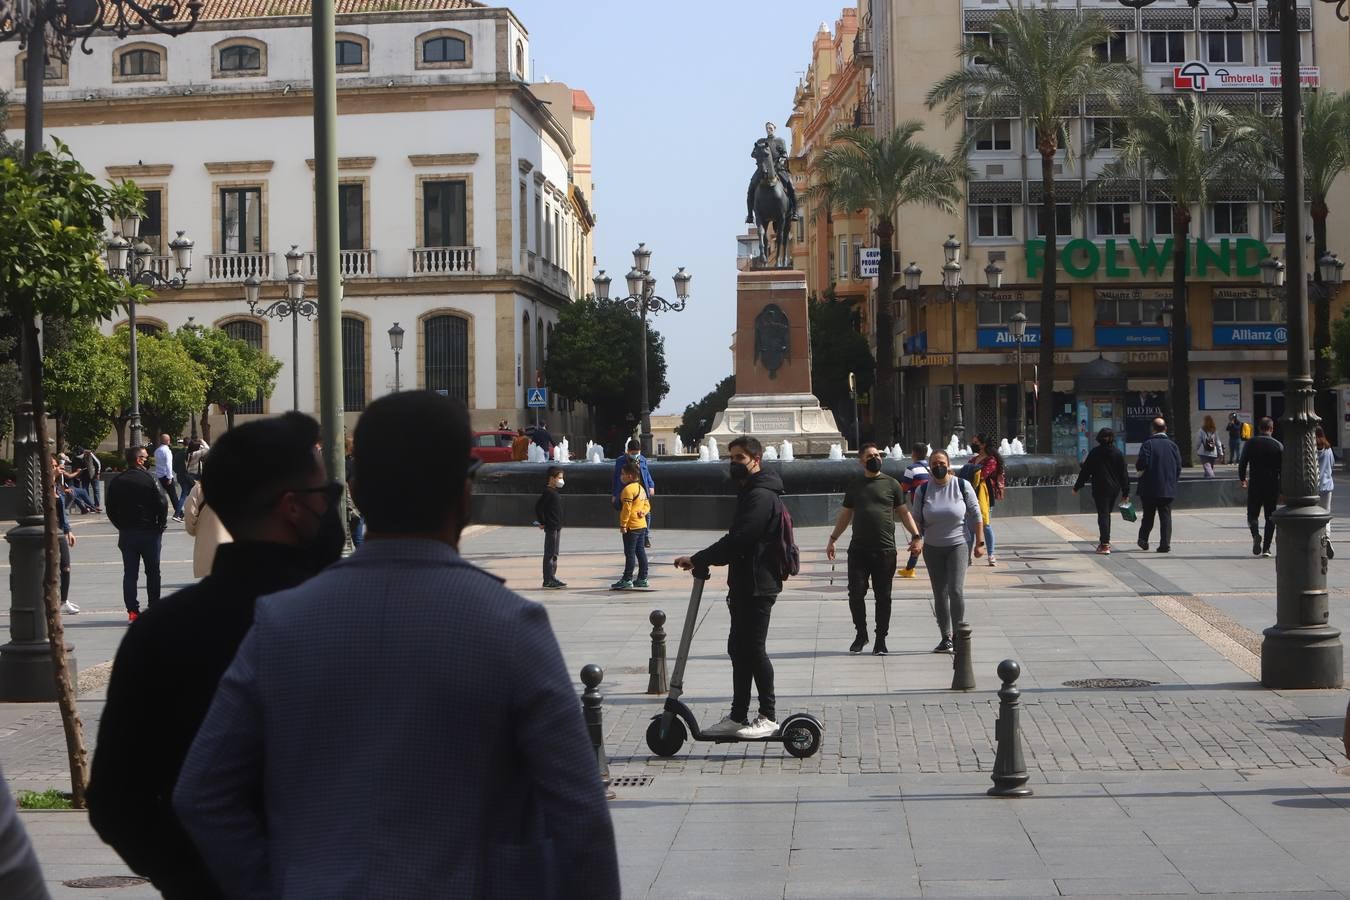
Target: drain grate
pixel 105 881
pixel 631 781
pixel 1109 683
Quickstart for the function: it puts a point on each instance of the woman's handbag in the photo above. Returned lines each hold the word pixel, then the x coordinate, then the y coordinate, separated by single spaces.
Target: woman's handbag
pixel 1127 511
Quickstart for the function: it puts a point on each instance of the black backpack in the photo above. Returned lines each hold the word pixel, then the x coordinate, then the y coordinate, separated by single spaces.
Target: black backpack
pixel 784 556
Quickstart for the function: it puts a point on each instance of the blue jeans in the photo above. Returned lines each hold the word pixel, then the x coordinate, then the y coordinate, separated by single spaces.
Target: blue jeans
pixel 989 540
pixel 634 546
pixel 139 545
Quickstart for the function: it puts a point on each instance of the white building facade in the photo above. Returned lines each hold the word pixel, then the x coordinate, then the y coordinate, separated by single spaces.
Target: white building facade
pixel 459 215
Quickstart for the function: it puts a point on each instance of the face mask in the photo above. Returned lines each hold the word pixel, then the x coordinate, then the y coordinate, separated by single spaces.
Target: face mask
pixel 939 471
pixel 326 545
pixel 739 471
pixel 874 464
pixel 633 455
pixel 976 449
pixel 561 482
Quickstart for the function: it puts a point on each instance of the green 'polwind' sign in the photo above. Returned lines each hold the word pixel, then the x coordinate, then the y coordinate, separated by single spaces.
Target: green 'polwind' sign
pixel 1081 258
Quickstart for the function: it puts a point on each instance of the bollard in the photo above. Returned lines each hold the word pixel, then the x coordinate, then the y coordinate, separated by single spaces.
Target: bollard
pixel 963 667
pixel 591 698
pixel 657 680
pixel 1010 769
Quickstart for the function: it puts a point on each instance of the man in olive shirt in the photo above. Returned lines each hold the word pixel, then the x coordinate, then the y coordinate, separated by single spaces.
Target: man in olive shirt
pixel 870 504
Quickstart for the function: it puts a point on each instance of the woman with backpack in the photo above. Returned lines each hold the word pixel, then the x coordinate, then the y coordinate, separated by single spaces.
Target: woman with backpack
pixel 1207 446
pixel 989 481
pixel 946 512
pixel 1105 468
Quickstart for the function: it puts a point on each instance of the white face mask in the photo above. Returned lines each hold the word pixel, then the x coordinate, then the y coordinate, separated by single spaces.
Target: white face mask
pixel 561 482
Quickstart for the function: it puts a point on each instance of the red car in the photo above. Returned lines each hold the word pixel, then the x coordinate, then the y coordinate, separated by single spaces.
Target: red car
pixel 492 446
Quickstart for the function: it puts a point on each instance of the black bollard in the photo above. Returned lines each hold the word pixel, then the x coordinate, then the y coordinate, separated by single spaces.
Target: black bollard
pixel 963 667
pixel 1010 769
pixel 591 698
pixel 657 681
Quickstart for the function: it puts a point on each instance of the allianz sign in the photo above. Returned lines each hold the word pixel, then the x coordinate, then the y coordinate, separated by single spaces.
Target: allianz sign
pixel 1249 335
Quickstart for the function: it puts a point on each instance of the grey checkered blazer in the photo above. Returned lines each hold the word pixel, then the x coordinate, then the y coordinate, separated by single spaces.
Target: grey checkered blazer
pixel 400 726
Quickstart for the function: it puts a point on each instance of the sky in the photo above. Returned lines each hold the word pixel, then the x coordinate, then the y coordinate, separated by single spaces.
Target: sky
pixel 681 92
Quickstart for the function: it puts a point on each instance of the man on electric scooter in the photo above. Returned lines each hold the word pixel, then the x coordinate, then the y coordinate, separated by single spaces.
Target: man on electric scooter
pixel 752 587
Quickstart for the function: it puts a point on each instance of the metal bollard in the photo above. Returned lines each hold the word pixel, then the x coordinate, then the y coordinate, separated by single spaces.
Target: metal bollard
pixel 963 667
pixel 658 682
pixel 1010 769
pixel 591 698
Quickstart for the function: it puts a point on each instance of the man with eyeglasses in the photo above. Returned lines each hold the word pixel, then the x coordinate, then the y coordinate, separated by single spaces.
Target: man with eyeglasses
pixel 139 511
pixel 284 519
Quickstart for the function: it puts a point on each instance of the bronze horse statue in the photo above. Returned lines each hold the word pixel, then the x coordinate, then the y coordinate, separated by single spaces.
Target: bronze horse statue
pixel 772 207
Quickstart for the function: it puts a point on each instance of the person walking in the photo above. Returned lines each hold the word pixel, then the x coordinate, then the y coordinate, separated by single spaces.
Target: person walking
pixel 1159 466
pixel 164 474
pixel 548 515
pixel 139 511
pixel 196 455
pixel 520 446
pixel 1208 448
pixel 1326 460
pixel 1234 430
pixel 1105 468
pixel 91 474
pixel 753 585
pixel 1259 474
pixel 989 487
pixel 633 453
pixel 916 474
pixel 172 659
pixel 201 522
pixel 634 510
pixel 871 504
pixel 946 520
pixel 288 794
pixel 64 543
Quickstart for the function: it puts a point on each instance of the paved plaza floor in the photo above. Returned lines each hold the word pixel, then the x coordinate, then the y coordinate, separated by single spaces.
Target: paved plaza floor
pixel 1199 783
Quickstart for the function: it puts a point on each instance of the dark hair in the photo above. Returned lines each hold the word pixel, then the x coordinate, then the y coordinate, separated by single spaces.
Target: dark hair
pixel 1267 423
pixel 869 445
pixel 554 470
pixel 131 453
pixel 988 449
pixel 1321 436
pixel 919 447
pixel 752 447
pixel 1106 437
pixel 253 463
pixel 388 427
pixel 634 444
pixel 632 470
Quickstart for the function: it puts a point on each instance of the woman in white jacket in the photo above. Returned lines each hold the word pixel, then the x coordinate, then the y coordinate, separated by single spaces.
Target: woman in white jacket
pixel 201 522
pixel 1325 483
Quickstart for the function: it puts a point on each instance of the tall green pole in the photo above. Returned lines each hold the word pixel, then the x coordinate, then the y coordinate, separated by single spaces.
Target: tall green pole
pixel 326 228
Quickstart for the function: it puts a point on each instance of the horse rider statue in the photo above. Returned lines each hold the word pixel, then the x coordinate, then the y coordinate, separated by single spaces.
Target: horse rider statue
pixel 770 143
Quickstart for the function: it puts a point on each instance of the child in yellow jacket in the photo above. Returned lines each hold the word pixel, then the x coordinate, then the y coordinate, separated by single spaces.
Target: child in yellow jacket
pixel 633 509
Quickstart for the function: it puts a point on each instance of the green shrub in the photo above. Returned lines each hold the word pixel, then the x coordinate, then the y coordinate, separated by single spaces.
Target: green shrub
pixel 48 799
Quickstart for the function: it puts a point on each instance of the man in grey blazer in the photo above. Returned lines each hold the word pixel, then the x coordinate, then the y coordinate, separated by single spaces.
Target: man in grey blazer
pixel 401 725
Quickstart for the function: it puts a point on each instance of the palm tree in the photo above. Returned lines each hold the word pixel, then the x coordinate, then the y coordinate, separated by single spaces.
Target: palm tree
pixel 1041 62
pixel 860 170
pixel 1187 148
pixel 1326 154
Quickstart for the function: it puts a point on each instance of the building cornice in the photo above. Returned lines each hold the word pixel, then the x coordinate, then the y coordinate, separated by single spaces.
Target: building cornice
pixel 240 167
pixel 349 163
pixel 426 160
pixel 140 170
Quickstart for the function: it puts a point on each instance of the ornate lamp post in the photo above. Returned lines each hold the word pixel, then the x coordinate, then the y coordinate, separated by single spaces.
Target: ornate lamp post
pixel 1018 326
pixel 396 344
pixel 642 299
pixel 294 305
pixel 128 259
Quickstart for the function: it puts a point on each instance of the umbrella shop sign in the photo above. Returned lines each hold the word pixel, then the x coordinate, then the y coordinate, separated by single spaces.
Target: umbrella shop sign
pixel 1200 77
pixel 1083 259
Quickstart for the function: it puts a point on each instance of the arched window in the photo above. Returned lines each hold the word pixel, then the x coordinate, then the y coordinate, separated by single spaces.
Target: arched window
pixel 446 360
pixel 140 63
pixel 149 329
pixel 526 357
pixel 444 49
pixel 353 364
pixel 520 59
pixel 250 333
pixel 239 57
pixel 350 53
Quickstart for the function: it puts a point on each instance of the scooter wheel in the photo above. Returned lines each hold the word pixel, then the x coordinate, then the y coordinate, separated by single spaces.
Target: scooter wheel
pixel 802 739
pixel 673 740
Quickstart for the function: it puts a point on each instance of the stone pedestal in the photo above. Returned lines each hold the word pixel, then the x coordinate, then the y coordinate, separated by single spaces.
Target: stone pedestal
pixel 773 400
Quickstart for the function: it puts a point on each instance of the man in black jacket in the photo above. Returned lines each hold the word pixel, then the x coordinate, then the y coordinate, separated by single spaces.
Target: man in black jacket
pixel 139 511
pixel 1262 458
pixel 753 586
pixel 282 516
pixel 1159 468
pixel 548 515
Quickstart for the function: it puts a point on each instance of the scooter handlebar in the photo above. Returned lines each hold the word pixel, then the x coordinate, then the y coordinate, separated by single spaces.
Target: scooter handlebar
pixel 703 574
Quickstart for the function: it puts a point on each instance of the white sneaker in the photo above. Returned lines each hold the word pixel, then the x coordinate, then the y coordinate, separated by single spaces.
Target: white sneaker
pixel 728 725
pixel 760 728
pixel 69 609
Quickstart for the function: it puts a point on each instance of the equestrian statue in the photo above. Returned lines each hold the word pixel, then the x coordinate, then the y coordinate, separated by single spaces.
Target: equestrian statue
pixel 771 199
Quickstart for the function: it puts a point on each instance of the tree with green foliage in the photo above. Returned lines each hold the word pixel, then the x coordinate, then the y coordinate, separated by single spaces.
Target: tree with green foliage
pixel 173 384
pixel 837 349
pixel 86 379
pixel 1037 65
pixel 595 357
pixel 236 372
pixel 698 417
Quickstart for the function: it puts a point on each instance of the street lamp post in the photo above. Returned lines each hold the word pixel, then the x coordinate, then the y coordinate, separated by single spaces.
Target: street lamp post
pixel 951 283
pixel 642 299
pixel 1165 320
pixel 294 305
pixel 396 344
pixel 1018 326
pixel 857 426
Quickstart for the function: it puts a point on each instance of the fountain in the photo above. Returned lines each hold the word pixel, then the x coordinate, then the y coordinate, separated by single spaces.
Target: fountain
pixel 954 448
pixel 927 450
pixel 711 444
pixel 1004 448
pixel 679 446
pixel 897 452
pixel 594 452
pixel 785 451
pixel 536 454
pixel 836 452
pixel 770 454
pixel 562 453
pixel 703 453
pixel 1017 448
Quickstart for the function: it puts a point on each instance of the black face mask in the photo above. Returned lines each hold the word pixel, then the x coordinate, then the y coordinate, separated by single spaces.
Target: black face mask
pixel 739 471
pixel 874 464
pixel 328 542
pixel 939 471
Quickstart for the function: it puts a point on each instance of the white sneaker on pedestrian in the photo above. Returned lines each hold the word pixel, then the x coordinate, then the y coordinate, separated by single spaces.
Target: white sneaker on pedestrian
pixel 69 609
pixel 728 725
pixel 760 728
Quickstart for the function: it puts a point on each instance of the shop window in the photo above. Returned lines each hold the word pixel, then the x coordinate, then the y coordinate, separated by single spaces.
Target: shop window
pixel 992 220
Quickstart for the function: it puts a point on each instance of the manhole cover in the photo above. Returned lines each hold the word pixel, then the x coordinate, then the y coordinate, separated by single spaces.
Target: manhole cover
pixel 631 781
pixel 1109 683
pixel 1047 586
pixel 105 881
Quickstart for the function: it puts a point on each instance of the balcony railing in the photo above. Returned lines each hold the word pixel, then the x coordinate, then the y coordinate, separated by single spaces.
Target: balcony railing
pixel 238 266
pixel 534 266
pixel 862 114
pixel 160 265
pixel 351 263
pixel 862 42
pixel 444 260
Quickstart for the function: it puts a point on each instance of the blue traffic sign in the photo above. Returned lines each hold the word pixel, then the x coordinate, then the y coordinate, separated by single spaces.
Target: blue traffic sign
pixel 536 398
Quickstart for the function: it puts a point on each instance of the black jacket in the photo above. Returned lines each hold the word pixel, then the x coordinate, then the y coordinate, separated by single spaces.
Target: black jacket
pixel 135 500
pixel 1105 468
pixel 1159 468
pixel 744 550
pixel 548 510
pixel 163 679
pixel 1263 456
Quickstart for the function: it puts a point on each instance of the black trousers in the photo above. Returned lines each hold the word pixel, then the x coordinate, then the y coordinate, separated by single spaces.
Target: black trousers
pixel 1162 508
pixel 1256 502
pixel 552 540
pixel 877 566
pixel 1106 504
pixel 749 660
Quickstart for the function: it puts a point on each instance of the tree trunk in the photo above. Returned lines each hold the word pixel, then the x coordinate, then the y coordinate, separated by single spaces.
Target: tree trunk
pixel 1321 321
pixel 1179 390
pixel 1045 407
pixel 206 423
pixel 120 427
pixel 60 419
pixel 229 417
pixel 883 390
pixel 51 585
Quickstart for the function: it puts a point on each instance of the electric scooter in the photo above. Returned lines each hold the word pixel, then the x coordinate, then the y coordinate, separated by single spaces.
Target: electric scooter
pixel 799 733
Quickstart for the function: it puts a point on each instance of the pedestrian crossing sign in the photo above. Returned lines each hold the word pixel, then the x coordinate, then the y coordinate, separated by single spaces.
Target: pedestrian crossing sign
pixel 536 398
